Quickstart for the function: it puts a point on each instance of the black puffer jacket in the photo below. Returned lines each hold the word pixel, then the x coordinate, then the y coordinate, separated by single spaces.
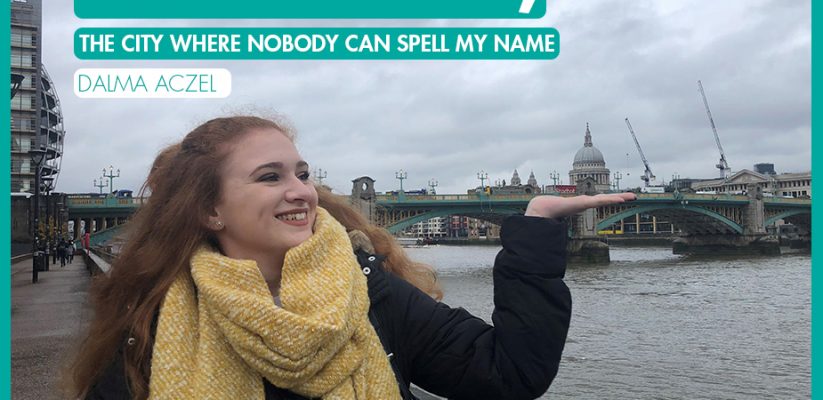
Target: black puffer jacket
pixel 449 352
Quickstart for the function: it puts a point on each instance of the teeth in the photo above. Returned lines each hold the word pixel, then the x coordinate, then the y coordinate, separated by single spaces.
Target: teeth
pixel 292 217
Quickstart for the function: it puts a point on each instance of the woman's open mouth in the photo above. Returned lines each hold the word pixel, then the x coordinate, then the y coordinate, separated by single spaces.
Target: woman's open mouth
pixel 297 218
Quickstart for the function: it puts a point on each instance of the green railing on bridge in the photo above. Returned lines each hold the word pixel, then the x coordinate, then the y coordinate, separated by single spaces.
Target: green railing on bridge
pixel 86 201
pixel 446 198
pixel 501 203
pixel 423 207
pixel 441 198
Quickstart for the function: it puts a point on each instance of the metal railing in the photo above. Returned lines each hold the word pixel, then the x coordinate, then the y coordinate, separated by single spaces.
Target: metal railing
pixel 81 201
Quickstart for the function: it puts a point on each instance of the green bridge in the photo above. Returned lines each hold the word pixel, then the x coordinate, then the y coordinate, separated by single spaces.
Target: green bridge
pixel 703 219
pixel 690 213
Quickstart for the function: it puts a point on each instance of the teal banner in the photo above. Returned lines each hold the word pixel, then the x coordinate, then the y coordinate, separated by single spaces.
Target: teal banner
pixel 316 43
pixel 254 9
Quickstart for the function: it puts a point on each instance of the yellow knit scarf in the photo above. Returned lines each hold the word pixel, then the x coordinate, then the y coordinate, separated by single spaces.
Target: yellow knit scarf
pixel 220 332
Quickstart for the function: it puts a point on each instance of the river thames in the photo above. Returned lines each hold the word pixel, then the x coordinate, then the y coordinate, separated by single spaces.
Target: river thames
pixel 652 325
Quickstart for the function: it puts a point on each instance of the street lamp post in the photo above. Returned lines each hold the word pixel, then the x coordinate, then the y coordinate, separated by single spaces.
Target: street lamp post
pixel 48 185
pixel 554 177
pixel 319 175
pixel 37 157
pixel 60 211
pixel 617 177
pixel 111 176
pixel 433 184
pixel 100 185
pixel 483 176
pixel 401 175
pixel 16 82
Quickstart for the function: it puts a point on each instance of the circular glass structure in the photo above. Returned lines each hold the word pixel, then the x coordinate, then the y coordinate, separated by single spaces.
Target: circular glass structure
pixel 52 133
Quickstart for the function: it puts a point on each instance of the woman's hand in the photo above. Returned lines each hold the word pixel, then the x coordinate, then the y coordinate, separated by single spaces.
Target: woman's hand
pixel 558 207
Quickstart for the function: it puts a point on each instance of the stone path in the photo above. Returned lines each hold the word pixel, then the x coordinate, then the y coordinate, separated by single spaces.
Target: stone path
pixel 46 319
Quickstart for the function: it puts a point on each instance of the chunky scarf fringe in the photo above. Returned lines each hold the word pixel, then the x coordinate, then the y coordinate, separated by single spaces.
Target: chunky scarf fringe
pixel 220 333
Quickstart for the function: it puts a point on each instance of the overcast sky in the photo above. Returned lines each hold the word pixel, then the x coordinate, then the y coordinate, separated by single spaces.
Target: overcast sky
pixel 448 120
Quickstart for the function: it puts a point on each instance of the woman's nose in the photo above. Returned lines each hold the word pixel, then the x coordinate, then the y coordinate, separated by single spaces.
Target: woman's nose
pixel 297 190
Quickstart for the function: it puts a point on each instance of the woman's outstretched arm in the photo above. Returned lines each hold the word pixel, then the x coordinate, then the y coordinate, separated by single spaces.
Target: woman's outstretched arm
pixel 459 356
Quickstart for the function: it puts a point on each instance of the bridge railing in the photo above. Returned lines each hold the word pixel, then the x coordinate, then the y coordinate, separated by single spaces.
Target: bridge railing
pixel 454 197
pixel 691 196
pixel 83 201
pixel 526 197
pixel 445 197
pixel 95 263
pixel 786 200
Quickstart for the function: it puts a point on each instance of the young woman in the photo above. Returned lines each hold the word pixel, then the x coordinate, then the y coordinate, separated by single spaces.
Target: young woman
pixel 241 280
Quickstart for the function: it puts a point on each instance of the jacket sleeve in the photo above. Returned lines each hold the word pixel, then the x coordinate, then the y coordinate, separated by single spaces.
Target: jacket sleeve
pixel 112 384
pixel 454 354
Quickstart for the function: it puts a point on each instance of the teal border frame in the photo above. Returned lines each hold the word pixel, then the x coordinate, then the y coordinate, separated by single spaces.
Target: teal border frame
pixel 5 204
pixel 817 218
pixel 317 9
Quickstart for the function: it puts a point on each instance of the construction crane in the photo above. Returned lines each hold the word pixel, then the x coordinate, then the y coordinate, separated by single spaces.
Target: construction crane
pixel 722 165
pixel 647 175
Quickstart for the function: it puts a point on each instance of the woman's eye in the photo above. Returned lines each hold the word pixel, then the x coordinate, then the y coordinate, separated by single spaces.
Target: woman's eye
pixel 304 176
pixel 269 178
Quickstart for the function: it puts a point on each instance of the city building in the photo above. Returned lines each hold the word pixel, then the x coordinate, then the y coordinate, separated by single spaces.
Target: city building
pixel 793 184
pixel 516 186
pixel 457 226
pixel 36 116
pixel 472 228
pixel 433 228
pixel 642 224
pixel 589 163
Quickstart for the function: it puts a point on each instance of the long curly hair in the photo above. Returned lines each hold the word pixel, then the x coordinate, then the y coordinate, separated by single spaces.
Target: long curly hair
pixel 164 233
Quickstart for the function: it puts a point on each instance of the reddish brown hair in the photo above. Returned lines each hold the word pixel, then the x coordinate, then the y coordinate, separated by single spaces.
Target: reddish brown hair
pixel 397 261
pixel 164 233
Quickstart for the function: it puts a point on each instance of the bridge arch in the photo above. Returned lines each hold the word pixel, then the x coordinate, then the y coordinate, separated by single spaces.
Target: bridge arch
pixel 473 211
pixel 604 224
pixel 785 214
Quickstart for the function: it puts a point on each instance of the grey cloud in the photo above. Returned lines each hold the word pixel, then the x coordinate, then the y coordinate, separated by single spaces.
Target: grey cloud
pixel 450 119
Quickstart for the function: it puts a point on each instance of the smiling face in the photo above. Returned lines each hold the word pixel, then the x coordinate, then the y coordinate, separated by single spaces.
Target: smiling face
pixel 267 202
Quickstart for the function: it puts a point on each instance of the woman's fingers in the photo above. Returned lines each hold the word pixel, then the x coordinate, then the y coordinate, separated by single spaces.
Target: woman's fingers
pixel 613 198
pixel 555 207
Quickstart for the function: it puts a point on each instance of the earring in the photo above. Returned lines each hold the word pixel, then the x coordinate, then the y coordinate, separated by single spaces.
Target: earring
pixel 217 225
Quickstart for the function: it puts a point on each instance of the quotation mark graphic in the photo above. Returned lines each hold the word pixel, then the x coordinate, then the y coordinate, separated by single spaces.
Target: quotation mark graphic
pixel 526 6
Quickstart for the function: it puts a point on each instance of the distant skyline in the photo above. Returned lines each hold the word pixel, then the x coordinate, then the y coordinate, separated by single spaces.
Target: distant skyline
pixel 448 120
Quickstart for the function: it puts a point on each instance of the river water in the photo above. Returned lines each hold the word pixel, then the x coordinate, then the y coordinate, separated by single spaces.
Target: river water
pixel 652 325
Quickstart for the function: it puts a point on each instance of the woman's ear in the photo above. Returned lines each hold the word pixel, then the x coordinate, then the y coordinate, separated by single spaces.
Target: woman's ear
pixel 214 222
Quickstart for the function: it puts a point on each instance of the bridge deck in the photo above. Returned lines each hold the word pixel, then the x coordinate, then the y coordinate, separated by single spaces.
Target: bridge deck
pixel 46 319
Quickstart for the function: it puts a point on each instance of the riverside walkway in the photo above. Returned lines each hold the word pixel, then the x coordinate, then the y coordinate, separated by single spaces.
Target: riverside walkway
pixel 46 319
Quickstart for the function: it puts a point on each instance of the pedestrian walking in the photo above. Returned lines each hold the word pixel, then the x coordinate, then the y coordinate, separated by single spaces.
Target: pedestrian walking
pixel 61 252
pixel 72 250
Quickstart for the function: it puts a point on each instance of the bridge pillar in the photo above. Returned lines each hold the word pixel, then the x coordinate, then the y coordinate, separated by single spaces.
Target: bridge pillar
pixel 727 245
pixel 363 197
pixel 753 240
pixel 754 215
pixel 104 223
pixel 585 247
pixel 587 251
pixel 803 240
